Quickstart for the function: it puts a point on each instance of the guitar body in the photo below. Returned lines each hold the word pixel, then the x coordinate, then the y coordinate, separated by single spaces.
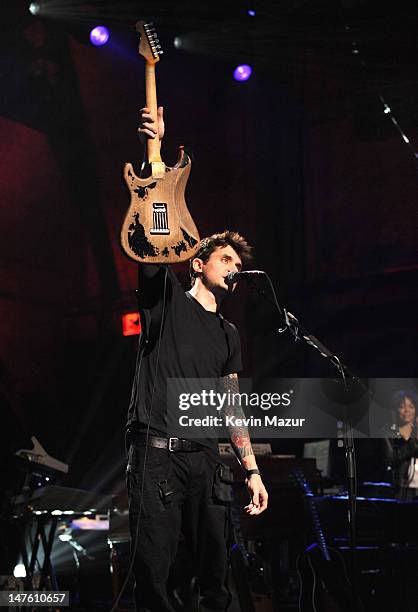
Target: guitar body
pixel 158 228
pixel 324 584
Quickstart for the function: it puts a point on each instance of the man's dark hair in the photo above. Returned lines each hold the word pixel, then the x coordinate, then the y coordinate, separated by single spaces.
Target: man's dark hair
pixel 208 245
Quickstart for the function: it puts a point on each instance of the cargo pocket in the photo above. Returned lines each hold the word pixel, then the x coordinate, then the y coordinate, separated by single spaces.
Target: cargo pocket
pixel 222 483
pixel 220 512
pixel 154 486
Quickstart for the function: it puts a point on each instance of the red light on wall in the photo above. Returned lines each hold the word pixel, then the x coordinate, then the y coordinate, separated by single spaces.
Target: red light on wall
pixel 131 324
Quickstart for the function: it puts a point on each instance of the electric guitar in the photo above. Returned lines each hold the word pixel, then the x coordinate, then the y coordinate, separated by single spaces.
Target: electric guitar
pixel 157 228
pixel 324 584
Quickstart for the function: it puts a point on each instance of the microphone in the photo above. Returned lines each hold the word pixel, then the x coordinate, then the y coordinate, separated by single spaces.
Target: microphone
pixel 234 277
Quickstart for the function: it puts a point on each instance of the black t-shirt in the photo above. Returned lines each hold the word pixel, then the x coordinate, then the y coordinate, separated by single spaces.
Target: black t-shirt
pixel 195 343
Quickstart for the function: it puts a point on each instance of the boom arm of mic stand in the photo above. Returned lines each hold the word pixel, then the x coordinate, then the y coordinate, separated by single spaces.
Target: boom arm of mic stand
pixel 298 332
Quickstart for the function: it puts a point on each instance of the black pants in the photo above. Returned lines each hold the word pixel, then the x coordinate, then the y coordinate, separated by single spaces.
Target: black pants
pixel 183 493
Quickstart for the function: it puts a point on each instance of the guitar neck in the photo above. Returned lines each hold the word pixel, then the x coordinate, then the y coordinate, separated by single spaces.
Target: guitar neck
pixel 300 479
pixel 319 532
pixel 153 144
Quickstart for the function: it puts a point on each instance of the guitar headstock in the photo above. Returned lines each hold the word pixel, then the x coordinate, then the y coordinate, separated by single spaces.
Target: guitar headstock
pixel 149 45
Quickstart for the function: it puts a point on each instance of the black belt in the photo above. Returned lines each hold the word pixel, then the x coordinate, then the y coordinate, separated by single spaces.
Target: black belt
pixel 171 444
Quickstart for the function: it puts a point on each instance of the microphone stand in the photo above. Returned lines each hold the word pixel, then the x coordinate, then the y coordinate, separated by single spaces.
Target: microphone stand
pixel 292 325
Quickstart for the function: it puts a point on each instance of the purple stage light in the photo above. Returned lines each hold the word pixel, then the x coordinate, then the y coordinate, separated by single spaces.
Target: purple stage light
pixel 242 72
pixel 99 36
pixel 251 12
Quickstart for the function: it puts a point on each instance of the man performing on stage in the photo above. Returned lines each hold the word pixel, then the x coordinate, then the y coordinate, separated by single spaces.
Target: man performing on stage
pixel 179 486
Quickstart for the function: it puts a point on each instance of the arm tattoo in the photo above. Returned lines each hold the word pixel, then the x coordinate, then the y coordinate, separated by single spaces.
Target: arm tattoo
pixel 240 439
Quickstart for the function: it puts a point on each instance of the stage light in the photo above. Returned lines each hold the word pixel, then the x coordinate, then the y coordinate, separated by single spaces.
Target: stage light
pixel 251 12
pixel 242 72
pixel 19 571
pixel 177 42
pixel 34 8
pixel 99 36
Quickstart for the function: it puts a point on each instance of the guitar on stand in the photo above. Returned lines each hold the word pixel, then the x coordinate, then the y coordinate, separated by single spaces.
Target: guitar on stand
pixel 158 227
pixel 324 583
